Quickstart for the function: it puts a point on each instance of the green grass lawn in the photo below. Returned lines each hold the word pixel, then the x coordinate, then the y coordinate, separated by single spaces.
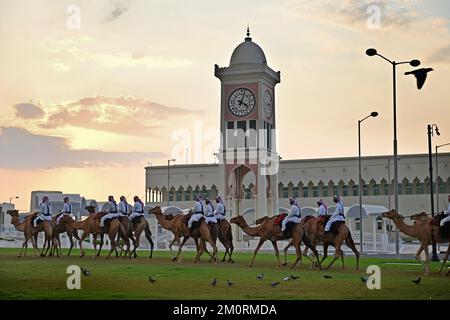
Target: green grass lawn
pixel 118 278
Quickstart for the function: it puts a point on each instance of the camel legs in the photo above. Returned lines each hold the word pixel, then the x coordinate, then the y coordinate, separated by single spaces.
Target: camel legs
pixel 148 235
pixel 277 253
pixel 285 250
pixel 427 260
pixel 445 258
pixel 260 243
pixel 24 246
pixel 197 255
pixel 177 258
pixel 352 246
pixel 298 252
pixel 113 246
pixel 325 253
pixel 424 247
pixel 80 243
pixel 337 255
pixel 175 239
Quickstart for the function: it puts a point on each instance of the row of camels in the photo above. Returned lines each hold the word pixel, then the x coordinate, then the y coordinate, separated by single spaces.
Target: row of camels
pixel 115 229
pixel 309 231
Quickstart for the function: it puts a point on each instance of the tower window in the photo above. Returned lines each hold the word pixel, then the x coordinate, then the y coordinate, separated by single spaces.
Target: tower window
pixel 241 134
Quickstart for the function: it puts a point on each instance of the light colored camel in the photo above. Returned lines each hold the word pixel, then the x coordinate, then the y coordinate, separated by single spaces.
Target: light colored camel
pixel 140 226
pixel 91 225
pixel 424 231
pixel 65 225
pixel 178 226
pixel 26 229
pixel 174 224
pixel 269 231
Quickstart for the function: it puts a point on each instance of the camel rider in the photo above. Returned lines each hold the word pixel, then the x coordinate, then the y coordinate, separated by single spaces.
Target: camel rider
pixel 338 214
pixel 67 210
pixel 111 211
pixel 209 212
pixel 322 211
pixel 198 211
pixel 44 211
pixel 447 219
pixel 138 208
pixel 123 207
pixel 294 216
pixel 220 209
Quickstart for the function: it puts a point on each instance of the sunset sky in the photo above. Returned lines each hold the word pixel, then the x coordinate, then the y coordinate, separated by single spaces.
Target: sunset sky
pixel 84 110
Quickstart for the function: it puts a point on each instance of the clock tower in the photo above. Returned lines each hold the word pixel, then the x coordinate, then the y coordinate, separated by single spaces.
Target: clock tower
pixel 247 125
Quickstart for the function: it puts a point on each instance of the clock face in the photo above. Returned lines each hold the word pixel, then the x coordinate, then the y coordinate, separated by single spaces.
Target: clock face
pixel 268 104
pixel 241 102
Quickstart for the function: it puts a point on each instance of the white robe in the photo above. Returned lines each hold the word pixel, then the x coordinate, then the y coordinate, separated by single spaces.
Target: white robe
pixel 322 210
pixel 44 214
pixel 67 210
pixel 112 213
pixel 209 213
pixel 294 216
pixel 445 220
pixel 336 216
pixel 138 210
pixel 220 211
pixel 198 213
pixel 123 209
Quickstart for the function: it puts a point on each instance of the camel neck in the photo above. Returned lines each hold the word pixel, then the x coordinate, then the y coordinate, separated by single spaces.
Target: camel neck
pixel 17 224
pixel 163 221
pixel 403 227
pixel 251 231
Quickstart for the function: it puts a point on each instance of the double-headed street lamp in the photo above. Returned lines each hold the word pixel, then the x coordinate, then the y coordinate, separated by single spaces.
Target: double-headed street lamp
pixel 168 179
pixel 437 175
pixel 415 63
pixel 372 114
pixel 430 127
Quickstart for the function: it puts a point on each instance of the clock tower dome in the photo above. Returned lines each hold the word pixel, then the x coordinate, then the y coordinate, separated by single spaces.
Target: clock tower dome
pixel 247 125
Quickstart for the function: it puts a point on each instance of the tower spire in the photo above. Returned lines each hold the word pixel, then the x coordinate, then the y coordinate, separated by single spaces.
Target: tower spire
pixel 248 34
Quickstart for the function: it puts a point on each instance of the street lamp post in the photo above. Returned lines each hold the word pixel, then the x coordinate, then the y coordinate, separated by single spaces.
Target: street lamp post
pixel 372 114
pixel 168 180
pixel 437 175
pixel 372 52
pixel 10 199
pixel 434 256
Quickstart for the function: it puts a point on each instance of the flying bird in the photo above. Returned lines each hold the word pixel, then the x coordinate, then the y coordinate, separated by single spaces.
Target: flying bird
pixel 151 279
pixel 417 281
pixel 364 279
pixel 294 277
pixel 214 282
pixel 421 76
pixel 274 284
pixel 230 283
pixel 260 276
pixel 86 272
pixel 287 278
pixel 327 276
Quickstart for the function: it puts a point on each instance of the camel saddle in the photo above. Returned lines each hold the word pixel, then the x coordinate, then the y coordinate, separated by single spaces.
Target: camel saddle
pixel 444 231
pixel 279 218
pixel 136 220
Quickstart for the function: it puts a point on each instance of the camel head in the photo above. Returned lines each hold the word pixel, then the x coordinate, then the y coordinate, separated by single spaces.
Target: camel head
pixel 239 220
pixel 13 213
pixel 391 214
pixel 90 209
pixel 156 210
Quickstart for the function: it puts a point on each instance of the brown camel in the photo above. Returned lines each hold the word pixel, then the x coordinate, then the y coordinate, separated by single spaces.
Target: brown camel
pixel 314 227
pixel 91 224
pixel 24 227
pixel 424 231
pixel 139 225
pixel 49 237
pixel 268 230
pixel 65 225
pixel 178 226
pixel 225 237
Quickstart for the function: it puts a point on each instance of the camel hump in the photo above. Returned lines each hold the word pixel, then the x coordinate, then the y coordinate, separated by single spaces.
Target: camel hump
pixel 307 218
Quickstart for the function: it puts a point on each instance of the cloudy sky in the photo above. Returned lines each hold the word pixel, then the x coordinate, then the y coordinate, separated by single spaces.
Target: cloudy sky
pixel 87 100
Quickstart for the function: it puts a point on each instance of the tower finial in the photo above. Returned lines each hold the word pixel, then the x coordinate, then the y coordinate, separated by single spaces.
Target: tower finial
pixel 248 34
